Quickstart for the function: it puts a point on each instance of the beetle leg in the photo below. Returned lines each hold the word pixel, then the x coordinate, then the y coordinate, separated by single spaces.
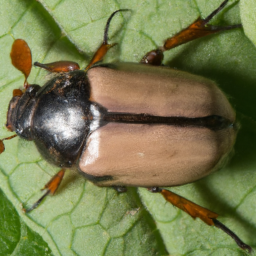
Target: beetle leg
pixel 105 46
pixel 21 58
pixel 50 188
pixel 59 66
pixel 197 211
pixel 2 148
pixel 199 28
pixel 120 189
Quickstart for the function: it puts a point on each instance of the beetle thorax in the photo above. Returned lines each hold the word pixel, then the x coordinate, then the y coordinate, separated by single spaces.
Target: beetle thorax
pixel 56 116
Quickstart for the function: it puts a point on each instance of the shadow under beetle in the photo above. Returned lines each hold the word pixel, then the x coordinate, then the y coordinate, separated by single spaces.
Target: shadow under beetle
pixel 127 124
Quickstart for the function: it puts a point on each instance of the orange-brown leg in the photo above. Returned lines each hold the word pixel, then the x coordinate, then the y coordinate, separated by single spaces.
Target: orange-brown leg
pixel 197 211
pixel 2 148
pixel 105 46
pixel 50 188
pixel 21 58
pixel 66 66
pixel 59 66
pixel 197 29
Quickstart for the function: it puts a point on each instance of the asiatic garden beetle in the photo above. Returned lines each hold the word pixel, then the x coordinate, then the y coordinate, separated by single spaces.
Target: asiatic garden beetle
pixel 127 116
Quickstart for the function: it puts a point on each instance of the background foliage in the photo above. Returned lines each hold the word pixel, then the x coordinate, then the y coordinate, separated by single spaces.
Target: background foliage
pixel 83 219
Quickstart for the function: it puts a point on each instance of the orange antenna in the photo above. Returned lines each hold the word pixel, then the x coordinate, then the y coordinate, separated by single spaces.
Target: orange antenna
pixel 22 58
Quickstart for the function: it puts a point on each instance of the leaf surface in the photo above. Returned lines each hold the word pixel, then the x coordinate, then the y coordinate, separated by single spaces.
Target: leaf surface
pixel 82 219
pixel 247 11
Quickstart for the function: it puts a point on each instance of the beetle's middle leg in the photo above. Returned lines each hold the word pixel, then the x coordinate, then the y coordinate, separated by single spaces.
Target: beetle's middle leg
pixel 199 28
pixel 120 189
pixel 197 211
pixel 50 187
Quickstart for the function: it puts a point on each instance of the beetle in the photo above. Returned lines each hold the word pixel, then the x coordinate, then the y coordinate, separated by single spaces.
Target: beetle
pixel 107 111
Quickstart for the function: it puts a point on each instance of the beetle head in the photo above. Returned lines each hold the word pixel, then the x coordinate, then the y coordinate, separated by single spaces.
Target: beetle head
pixel 20 112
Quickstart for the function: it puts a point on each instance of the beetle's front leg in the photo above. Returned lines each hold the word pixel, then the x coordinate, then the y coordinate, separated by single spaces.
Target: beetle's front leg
pixel 197 211
pixel 199 28
pixel 21 58
pixel 50 187
pixel 59 66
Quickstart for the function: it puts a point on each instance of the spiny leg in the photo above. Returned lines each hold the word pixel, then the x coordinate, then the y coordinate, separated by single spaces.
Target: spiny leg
pixel 50 188
pixel 197 29
pixel 105 46
pixel 197 211
pixel 66 66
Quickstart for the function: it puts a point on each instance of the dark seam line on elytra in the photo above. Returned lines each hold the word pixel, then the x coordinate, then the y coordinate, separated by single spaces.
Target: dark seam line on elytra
pixel 213 122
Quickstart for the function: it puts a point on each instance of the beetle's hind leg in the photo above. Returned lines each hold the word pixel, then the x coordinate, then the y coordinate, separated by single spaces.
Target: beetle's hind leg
pixel 50 188
pixel 199 28
pixel 197 211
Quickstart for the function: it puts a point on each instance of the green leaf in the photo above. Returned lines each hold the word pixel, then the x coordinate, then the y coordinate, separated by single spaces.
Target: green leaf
pixel 247 10
pixel 15 237
pixel 82 219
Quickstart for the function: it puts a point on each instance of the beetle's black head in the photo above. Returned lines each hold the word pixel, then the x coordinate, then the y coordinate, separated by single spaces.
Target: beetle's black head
pixel 20 112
